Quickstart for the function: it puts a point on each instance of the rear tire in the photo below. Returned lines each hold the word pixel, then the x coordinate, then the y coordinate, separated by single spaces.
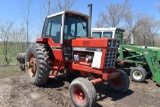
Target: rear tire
pixel 21 57
pixel 138 74
pixel 23 67
pixel 20 66
pixel 83 93
pixel 121 83
pixel 39 69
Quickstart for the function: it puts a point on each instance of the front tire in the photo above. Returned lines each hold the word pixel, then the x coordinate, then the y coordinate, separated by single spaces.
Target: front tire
pixel 121 83
pixel 83 93
pixel 138 74
pixel 38 64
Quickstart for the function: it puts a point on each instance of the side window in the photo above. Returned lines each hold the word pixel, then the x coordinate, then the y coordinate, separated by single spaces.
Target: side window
pixel 56 29
pixel 107 34
pixel 119 36
pixel 48 29
pixel 96 34
pixel 53 28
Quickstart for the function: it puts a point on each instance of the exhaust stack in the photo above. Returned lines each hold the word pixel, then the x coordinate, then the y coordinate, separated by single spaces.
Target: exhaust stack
pixel 90 20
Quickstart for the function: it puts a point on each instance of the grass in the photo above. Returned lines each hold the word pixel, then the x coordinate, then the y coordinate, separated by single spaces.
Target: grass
pixel 9 69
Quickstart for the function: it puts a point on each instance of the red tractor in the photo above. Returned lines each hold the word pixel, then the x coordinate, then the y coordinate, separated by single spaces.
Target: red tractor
pixel 66 47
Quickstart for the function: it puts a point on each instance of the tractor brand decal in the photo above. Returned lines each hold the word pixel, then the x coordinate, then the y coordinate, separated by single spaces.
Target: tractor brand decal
pixel 57 47
pixel 87 49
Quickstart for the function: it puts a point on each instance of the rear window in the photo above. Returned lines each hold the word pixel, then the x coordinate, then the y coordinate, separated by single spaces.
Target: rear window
pixel 96 34
pixel 107 34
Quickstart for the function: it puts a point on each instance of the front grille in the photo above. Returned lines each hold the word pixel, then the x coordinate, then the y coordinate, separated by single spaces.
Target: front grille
pixel 111 54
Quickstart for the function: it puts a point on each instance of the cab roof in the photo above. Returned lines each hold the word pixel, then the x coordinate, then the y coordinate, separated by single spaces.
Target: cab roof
pixel 67 11
pixel 107 29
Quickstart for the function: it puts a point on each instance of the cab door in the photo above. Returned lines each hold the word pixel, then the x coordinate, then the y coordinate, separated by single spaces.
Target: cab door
pixel 53 31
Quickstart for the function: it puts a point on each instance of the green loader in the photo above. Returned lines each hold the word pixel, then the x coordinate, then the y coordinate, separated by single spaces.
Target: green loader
pixel 146 59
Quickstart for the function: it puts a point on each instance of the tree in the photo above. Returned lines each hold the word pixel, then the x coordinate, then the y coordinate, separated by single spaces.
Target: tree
pixel 142 27
pixel 114 15
pixel 149 28
pixel 47 6
pixel 61 5
pixel 27 20
pixel 8 37
pixel 132 22
pixel 12 41
pixel 20 35
pixel 53 6
pixel 26 12
pixel 5 35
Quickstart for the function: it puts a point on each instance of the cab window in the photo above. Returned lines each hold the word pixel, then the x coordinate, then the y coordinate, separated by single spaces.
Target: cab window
pixel 53 28
pixel 96 34
pixel 75 26
pixel 107 34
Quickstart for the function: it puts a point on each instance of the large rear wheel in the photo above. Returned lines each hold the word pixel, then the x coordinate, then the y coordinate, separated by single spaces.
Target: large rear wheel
pixel 121 83
pixel 37 64
pixel 83 93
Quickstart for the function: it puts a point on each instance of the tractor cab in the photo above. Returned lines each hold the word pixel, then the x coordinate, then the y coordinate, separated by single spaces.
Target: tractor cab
pixel 60 29
pixel 64 26
pixel 116 33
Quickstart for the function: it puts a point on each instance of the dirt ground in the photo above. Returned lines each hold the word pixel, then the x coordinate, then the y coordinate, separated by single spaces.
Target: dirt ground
pixel 16 91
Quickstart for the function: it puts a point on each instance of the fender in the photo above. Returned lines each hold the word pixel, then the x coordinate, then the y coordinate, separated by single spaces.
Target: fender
pixel 56 48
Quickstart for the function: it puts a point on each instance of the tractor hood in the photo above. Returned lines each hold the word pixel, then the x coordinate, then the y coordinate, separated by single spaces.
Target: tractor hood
pixel 91 42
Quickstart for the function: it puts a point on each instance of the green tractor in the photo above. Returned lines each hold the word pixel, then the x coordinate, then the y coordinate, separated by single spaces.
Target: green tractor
pixel 146 60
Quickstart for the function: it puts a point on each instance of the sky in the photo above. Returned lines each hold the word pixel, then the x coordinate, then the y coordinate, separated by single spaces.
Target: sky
pixel 13 10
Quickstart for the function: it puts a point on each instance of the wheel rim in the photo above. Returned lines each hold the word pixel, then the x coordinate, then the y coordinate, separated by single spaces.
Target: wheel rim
pixel 117 82
pixel 137 75
pixel 79 95
pixel 32 66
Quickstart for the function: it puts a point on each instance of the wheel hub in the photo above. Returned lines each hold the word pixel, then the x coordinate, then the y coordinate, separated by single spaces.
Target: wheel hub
pixel 117 82
pixel 79 95
pixel 32 66
pixel 137 75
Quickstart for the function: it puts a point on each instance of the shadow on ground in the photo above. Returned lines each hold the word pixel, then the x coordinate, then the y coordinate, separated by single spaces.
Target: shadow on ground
pixel 104 91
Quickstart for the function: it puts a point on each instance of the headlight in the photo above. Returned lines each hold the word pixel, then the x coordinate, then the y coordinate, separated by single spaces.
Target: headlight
pixel 89 59
pixel 109 43
pixel 76 57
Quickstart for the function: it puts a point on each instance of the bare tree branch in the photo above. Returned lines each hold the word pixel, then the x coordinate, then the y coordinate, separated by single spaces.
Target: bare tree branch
pixel 53 6
pixel 5 33
pixel 114 14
